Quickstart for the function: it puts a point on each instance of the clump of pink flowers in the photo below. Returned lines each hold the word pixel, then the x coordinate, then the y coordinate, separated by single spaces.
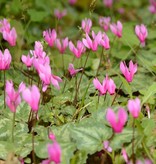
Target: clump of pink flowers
pixel 9 34
pixel 107 85
pixel 104 22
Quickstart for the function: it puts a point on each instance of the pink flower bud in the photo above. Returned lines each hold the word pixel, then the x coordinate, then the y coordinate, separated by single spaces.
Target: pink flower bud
pixel 134 107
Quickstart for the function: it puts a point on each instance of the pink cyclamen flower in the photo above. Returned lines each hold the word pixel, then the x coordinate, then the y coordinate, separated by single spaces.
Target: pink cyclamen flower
pixel 104 22
pixel 86 25
pixel 94 42
pixel 108 3
pixel 134 107
pixel 38 50
pixel 10 36
pixel 47 77
pixel 13 98
pixel 124 154
pixel 141 32
pixel 50 36
pixel 128 72
pixel 116 29
pixel 4 25
pixel 59 14
pixel 105 41
pixel 117 121
pixel 5 59
pixel 32 96
pixel 107 85
pixel 78 50
pixel 54 154
pixel 72 70
pixel 106 146
pixel 27 60
pixel 72 2
pixel 62 45
pixel 152 7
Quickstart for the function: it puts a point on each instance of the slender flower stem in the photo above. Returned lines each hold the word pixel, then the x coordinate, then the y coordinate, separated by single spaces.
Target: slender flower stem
pixel 13 125
pixel 77 91
pixel 63 64
pixel 4 89
pixel 133 138
pixel 99 62
pixel 116 94
pixel 33 137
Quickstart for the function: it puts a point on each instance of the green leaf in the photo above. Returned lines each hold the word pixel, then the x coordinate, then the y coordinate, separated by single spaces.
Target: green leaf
pixel 89 135
pixel 37 16
pixel 126 85
pixel 150 92
pixel 119 139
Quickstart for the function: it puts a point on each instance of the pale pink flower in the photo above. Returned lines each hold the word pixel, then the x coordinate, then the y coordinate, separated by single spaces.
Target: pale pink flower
pixel 106 146
pixel 134 107
pixel 108 3
pixel 105 41
pixel 94 42
pixel 107 85
pixel 13 98
pixel 59 14
pixel 104 22
pixel 40 61
pixel 10 36
pixel 38 50
pixel 27 60
pixel 144 161
pixel 116 29
pixel 50 36
pixel 78 50
pixel 128 72
pixel 141 32
pixel 86 25
pixel 4 25
pixel 62 45
pixel 124 154
pixel 72 2
pixel 32 96
pixel 152 7
pixel 117 121
pixel 72 70
pixel 47 77
pixel 5 60
pixel 54 154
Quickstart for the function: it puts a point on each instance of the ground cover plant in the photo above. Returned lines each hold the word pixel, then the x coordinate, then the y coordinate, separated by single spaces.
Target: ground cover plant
pixel 78 81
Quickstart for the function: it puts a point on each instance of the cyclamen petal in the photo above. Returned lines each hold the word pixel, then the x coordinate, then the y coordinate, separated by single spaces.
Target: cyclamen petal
pixel 32 96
